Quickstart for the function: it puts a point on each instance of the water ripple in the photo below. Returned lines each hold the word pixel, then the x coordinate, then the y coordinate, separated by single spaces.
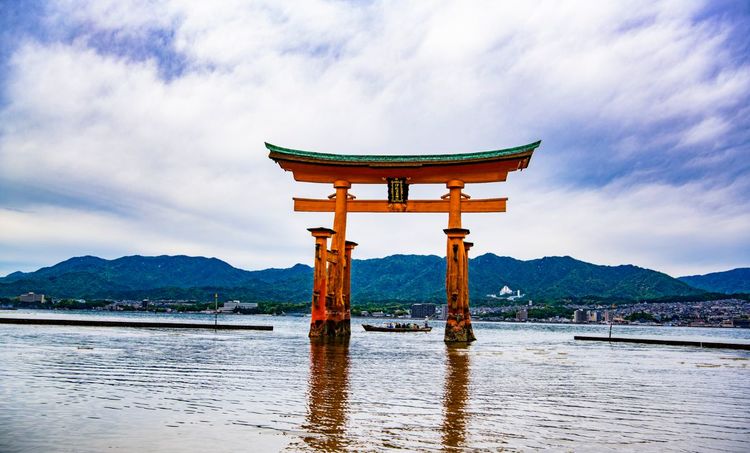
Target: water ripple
pixel 519 388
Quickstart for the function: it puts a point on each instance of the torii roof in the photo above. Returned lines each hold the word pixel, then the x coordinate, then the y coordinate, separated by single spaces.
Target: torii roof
pixel 485 166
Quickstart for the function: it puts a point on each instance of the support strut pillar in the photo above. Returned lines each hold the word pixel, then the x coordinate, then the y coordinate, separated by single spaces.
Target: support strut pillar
pixel 318 319
pixel 347 291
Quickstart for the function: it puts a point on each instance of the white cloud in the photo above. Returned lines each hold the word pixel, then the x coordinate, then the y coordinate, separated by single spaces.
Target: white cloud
pixel 706 131
pixel 178 166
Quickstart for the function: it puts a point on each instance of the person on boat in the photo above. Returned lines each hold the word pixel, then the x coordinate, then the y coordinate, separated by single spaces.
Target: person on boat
pixel 425 322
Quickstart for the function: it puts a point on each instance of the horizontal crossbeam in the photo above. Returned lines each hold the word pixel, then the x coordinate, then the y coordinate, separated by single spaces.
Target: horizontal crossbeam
pixel 317 205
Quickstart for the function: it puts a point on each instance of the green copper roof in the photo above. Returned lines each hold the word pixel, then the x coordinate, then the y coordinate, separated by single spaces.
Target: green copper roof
pixel 294 154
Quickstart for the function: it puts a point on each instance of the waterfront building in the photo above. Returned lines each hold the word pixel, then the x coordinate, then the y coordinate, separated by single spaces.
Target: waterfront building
pixel 31 297
pixel 579 316
pixel 423 311
pixel 522 315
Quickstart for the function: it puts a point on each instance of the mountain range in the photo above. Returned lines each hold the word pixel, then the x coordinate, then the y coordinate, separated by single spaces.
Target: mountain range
pixel 404 278
pixel 733 281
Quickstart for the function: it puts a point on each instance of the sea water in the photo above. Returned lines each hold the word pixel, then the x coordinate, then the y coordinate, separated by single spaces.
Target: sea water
pixel 519 387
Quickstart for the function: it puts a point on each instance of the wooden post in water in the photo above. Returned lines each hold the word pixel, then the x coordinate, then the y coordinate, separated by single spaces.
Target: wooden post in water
pixel 458 325
pixel 337 324
pixel 320 280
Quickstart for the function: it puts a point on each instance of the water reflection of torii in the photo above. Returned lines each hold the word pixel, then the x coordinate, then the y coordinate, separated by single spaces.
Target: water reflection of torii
pixel 455 397
pixel 331 291
pixel 328 397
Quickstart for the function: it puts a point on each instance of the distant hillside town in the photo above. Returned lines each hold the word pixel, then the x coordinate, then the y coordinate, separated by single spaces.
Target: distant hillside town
pixel 712 313
pixel 550 289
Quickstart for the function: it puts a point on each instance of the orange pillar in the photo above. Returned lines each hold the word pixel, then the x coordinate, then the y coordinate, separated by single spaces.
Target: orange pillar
pixel 348 281
pixel 454 207
pixel 320 280
pixel 336 323
pixel 339 220
pixel 458 324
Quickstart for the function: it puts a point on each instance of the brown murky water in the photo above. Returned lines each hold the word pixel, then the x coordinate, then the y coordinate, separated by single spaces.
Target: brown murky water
pixel 520 387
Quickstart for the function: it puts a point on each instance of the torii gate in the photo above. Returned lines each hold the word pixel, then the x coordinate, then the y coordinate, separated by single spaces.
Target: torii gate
pixel 331 287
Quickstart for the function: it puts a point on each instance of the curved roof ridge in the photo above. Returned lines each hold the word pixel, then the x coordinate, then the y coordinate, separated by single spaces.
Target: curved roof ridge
pixel 480 155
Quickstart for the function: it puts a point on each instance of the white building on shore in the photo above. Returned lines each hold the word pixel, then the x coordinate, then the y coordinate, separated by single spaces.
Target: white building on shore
pixel 31 297
pixel 232 305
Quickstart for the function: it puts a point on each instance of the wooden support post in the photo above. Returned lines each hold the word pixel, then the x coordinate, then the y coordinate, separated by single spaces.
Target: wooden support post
pixel 339 219
pixel 348 280
pixel 458 324
pixel 454 210
pixel 320 280
pixel 467 246
pixel 336 323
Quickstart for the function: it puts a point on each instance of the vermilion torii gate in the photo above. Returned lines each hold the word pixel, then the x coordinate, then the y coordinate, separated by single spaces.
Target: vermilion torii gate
pixel 331 288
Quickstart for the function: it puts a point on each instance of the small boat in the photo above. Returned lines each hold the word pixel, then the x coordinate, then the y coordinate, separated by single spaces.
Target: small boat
pixel 371 328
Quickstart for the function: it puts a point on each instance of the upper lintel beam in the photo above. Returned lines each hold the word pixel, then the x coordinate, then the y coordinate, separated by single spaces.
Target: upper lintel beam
pixel 427 206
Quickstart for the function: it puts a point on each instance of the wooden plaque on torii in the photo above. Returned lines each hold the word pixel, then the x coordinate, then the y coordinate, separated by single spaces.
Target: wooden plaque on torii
pixel 331 312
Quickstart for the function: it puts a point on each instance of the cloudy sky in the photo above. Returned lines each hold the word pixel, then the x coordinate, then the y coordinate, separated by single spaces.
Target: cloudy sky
pixel 138 127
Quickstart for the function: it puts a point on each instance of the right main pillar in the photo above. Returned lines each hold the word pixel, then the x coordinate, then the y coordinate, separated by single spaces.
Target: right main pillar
pixel 458 323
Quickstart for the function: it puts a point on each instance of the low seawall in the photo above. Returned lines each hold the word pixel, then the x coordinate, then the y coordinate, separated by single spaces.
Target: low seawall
pixel 133 323
pixel 700 344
